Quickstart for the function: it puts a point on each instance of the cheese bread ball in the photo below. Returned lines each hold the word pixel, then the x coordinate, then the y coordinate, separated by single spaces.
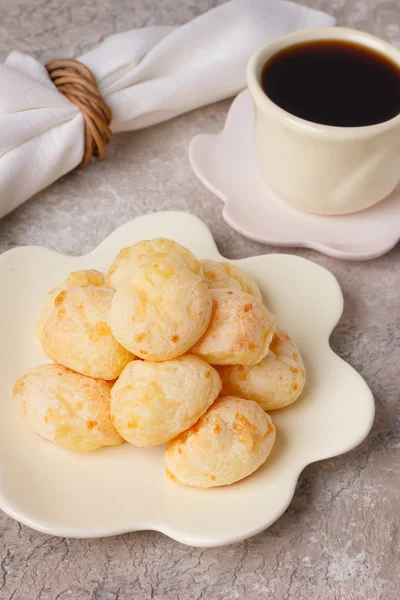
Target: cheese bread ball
pixel 77 336
pixel 275 382
pixel 74 279
pixel 67 408
pixel 228 443
pixel 161 309
pixel 151 402
pixel 130 256
pixel 240 330
pixel 224 275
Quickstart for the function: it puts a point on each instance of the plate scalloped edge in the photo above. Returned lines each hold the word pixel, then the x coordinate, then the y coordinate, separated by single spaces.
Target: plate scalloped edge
pixel 226 165
pixel 312 429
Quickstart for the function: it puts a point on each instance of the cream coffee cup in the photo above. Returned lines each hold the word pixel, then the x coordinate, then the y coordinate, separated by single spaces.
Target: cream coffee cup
pixel 321 168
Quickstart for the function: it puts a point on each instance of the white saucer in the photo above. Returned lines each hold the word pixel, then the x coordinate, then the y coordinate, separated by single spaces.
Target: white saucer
pixel 120 489
pixel 226 164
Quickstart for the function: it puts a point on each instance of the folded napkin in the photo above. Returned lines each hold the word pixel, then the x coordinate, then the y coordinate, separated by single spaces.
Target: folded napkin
pixel 146 76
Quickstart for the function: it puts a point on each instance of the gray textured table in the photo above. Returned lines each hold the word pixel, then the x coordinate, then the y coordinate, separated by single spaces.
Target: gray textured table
pixel 340 538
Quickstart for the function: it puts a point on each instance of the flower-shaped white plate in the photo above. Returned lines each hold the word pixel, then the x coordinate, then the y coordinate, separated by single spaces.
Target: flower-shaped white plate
pixel 226 164
pixel 121 489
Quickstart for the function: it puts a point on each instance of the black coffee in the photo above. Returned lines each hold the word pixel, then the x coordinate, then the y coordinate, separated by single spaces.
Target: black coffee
pixel 334 83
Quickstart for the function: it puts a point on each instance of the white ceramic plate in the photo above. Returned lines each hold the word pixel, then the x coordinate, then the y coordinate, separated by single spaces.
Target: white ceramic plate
pixel 115 490
pixel 226 164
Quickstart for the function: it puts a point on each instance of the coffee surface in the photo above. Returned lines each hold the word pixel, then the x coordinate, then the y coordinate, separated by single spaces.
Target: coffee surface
pixel 333 82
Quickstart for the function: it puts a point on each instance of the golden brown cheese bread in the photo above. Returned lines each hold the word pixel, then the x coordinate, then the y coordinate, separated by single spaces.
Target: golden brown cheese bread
pixel 240 330
pixel 77 336
pixel 232 439
pixel 128 257
pixel 67 408
pixel 74 279
pixel 275 382
pixel 225 275
pixel 161 309
pixel 153 402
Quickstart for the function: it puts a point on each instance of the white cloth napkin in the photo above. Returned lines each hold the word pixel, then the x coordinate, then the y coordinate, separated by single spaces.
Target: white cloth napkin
pixel 146 76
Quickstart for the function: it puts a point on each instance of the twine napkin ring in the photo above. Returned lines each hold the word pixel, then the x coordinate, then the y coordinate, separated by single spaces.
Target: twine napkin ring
pixel 76 82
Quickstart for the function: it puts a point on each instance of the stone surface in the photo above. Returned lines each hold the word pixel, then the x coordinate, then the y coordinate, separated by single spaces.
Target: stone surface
pixel 340 537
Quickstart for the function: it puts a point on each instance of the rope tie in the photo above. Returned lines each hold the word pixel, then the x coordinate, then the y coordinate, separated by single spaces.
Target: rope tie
pixel 76 82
